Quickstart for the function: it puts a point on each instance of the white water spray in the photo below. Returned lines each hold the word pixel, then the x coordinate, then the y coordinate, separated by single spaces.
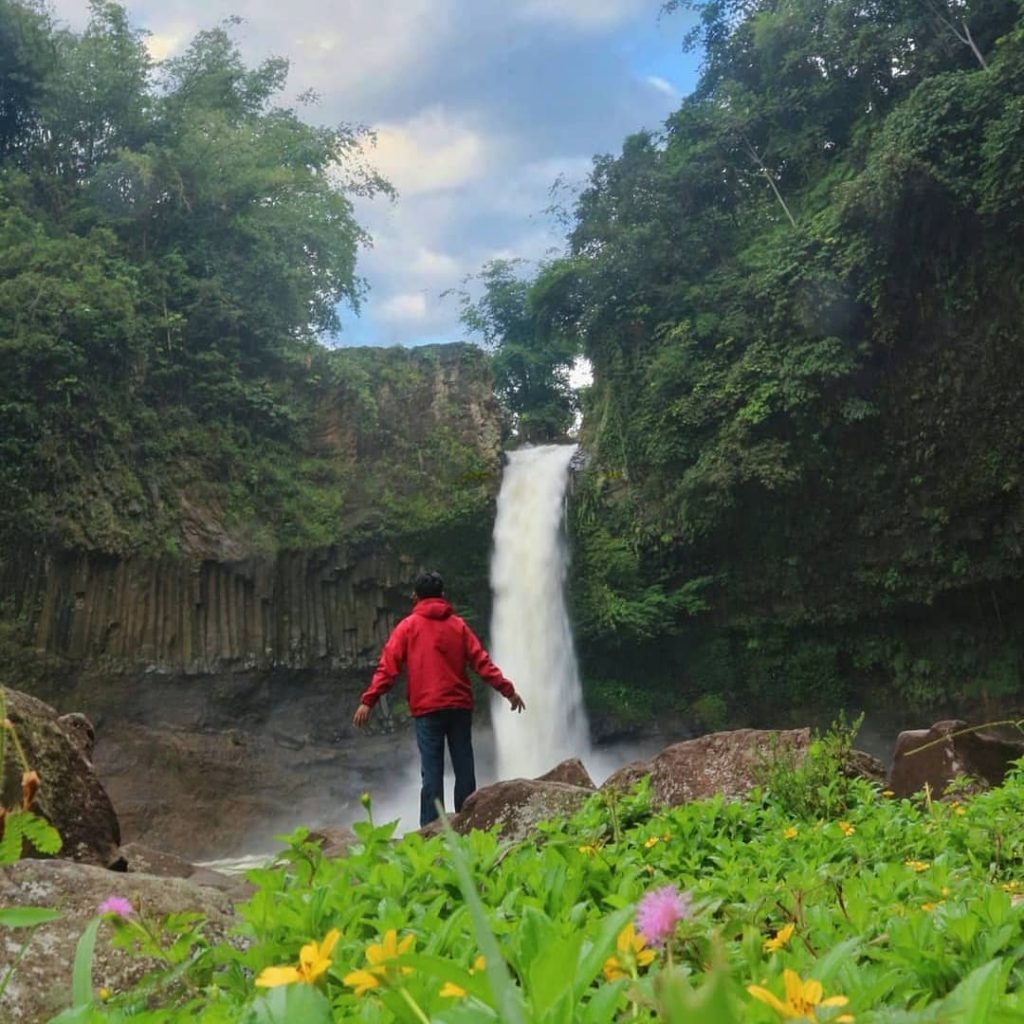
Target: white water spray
pixel 531 639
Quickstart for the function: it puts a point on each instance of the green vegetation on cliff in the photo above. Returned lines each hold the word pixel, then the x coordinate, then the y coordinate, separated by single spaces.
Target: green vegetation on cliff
pixel 172 246
pixel 802 302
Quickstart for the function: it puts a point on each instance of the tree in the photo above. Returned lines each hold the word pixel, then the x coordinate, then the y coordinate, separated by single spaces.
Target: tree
pixel 531 356
pixel 174 245
pixel 809 429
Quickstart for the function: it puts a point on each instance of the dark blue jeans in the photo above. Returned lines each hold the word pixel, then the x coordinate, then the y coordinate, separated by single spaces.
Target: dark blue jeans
pixel 432 729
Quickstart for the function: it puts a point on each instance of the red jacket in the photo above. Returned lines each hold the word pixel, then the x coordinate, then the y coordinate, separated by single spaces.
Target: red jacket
pixel 435 646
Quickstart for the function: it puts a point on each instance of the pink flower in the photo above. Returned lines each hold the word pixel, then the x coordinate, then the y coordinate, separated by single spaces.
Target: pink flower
pixel 117 905
pixel 659 912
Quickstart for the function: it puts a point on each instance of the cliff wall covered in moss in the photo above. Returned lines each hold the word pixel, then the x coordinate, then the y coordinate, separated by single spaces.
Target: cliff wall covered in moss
pixel 266 557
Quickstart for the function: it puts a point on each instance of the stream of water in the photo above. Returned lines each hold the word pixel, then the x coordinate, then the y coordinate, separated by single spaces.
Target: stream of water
pixel 531 637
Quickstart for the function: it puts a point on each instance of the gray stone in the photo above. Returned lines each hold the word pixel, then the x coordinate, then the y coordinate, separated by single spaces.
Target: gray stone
pixel 41 984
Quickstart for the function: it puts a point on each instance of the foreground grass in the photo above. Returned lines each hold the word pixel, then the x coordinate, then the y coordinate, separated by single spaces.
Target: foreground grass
pixel 832 902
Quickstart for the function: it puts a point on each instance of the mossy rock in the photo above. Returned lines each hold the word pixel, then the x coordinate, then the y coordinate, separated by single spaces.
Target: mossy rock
pixel 71 796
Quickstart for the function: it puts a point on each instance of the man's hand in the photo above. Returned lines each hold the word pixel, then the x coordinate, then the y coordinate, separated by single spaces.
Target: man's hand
pixel 517 702
pixel 361 717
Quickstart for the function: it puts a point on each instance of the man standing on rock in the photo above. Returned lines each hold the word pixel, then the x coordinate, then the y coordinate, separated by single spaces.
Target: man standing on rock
pixel 435 647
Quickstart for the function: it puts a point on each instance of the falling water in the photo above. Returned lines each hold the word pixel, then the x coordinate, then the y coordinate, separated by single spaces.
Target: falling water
pixel 531 639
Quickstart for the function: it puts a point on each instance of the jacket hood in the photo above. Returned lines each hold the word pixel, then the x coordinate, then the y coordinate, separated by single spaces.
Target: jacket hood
pixel 432 608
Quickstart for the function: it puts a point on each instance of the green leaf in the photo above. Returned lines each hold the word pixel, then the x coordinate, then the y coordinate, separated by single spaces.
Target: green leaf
pixel 292 1004
pixel 10 844
pixel 507 995
pixel 593 956
pixel 973 1000
pixel 81 974
pixel 40 833
pixel 26 917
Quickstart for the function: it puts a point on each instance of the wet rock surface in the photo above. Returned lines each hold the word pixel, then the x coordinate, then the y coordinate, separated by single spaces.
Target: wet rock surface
pixel 41 985
pixel 141 860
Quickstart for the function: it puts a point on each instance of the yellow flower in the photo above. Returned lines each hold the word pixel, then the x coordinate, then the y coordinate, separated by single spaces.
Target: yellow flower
pixel 449 990
pixel 790 833
pixel 314 959
pixel 802 998
pixel 362 981
pixel 652 841
pixel 589 850
pixel 846 828
pixel 632 954
pixel 479 964
pixel 389 949
pixel 929 907
pixel 1010 886
pixel 779 940
pixel 103 994
pixel 378 955
pixel 888 792
pixel 917 865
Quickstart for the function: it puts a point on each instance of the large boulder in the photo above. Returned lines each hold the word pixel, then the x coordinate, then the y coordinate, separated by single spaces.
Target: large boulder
pixel 936 756
pixel 571 771
pixel 720 762
pixel 41 984
pixel 516 807
pixel 71 796
pixel 625 778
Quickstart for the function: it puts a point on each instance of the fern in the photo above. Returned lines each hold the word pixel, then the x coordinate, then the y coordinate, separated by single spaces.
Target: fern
pixel 41 834
pixel 24 826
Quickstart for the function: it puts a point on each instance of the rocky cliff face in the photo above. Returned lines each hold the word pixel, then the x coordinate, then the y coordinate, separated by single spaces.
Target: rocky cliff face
pixel 296 609
pixel 410 442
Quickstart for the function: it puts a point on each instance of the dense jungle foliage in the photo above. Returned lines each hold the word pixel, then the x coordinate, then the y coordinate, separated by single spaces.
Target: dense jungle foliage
pixel 173 245
pixel 802 300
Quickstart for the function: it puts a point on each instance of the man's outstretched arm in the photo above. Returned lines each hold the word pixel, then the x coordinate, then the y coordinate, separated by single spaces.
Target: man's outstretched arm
pixel 391 660
pixel 480 662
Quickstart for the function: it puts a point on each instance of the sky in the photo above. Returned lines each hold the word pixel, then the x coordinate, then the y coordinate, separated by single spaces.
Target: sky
pixel 478 106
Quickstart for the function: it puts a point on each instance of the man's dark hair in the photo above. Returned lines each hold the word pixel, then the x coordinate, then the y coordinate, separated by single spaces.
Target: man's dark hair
pixel 429 584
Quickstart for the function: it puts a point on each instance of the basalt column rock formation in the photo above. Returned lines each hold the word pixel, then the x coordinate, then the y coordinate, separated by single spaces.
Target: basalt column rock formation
pixel 295 609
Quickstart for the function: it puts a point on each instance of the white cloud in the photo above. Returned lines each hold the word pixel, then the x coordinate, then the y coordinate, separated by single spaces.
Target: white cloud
pixel 429 152
pixel 404 308
pixel 348 48
pixel 162 45
pixel 478 108
pixel 433 265
pixel 586 15
pixel 663 86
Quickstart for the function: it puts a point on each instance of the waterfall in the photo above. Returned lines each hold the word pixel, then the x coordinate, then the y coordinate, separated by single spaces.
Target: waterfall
pixel 531 639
